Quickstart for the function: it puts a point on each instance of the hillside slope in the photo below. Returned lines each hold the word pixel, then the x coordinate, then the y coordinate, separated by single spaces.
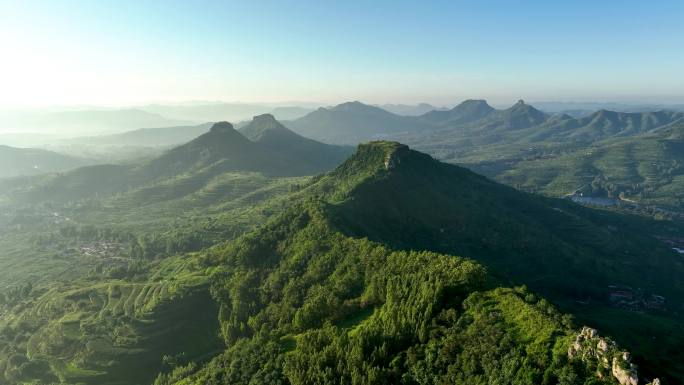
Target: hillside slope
pixel 30 161
pixel 353 279
pixel 644 170
pixel 190 167
pixel 571 254
pixel 328 291
pixel 270 133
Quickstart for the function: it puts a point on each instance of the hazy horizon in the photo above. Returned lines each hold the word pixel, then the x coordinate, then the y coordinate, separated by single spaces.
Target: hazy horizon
pixel 131 53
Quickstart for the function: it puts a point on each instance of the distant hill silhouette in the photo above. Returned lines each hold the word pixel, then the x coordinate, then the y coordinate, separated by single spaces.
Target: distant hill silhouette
pixel 31 161
pixel 353 122
pixel 274 151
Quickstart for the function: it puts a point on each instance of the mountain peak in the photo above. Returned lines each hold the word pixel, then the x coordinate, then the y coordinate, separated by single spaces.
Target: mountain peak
pixel 264 125
pixel 265 118
pixel 356 106
pixel 476 102
pixel 266 122
pixel 467 111
pixel 393 151
pixel 388 148
pixel 222 127
pixel 521 106
pixel 372 158
pixel 394 156
pixel 474 106
pixel 354 103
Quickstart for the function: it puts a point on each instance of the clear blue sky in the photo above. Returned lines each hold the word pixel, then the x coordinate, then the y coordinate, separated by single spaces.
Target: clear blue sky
pixel 126 52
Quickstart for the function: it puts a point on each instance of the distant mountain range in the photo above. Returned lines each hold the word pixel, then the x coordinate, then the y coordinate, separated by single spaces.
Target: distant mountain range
pixel 589 107
pixel 356 122
pixel 517 145
pixel 353 122
pixel 273 150
pixel 476 120
pixel 243 111
pixel 514 145
pixel 410 109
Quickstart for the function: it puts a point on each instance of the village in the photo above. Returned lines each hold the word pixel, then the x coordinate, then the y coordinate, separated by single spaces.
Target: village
pixel 108 253
pixel 100 249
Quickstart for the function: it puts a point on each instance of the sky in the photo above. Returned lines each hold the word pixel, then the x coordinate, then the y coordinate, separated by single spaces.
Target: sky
pixel 134 52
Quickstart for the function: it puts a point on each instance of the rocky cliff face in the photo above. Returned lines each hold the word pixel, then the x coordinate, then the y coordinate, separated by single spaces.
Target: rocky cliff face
pixel 393 159
pixel 606 356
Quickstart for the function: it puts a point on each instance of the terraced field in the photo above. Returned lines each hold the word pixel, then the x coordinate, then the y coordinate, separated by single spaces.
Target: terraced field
pixel 115 331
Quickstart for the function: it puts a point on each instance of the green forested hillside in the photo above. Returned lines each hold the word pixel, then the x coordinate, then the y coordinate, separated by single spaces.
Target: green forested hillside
pixel 304 304
pixel 93 289
pixel 106 292
pixel 643 170
pixel 351 278
pixel 306 299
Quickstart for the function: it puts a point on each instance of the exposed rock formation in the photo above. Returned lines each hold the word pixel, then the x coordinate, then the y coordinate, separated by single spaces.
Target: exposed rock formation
pixel 394 158
pixel 624 370
pixel 608 358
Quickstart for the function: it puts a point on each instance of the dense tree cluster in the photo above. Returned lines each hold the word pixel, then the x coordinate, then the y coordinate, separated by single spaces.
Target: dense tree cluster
pixel 303 304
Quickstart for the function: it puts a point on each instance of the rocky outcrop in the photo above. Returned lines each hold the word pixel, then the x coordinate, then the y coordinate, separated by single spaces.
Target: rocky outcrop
pixel 393 158
pixel 605 355
pixel 624 370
